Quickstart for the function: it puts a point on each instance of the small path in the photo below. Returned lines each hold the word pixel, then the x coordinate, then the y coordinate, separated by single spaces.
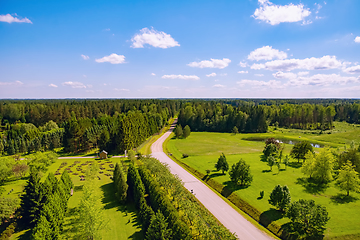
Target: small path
pixel 228 216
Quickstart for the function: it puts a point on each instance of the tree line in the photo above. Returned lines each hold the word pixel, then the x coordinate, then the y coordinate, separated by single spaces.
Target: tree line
pixel 249 116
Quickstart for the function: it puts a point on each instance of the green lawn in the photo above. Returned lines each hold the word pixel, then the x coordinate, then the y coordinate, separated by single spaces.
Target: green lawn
pixel 205 148
pixel 122 222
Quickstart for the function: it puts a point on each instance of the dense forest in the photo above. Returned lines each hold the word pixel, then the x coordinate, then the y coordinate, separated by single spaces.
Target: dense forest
pixel 119 124
pixel 256 116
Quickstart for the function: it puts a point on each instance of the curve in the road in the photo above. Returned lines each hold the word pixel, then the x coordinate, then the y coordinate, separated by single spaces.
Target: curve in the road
pixel 228 216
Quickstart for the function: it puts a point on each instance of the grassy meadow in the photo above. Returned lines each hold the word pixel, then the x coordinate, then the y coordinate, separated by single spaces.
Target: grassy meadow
pixel 121 220
pixel 204 148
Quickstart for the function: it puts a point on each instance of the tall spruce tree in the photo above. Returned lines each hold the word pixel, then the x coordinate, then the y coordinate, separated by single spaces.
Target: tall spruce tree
pixel 120 184
pixel 158 229
pixel 31 200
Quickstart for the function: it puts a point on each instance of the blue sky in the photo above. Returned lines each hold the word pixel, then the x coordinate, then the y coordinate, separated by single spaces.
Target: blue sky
pixel 180 49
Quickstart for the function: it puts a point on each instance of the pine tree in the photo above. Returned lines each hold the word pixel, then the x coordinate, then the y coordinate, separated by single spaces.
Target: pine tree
pixel 68 184
pixel 10 148
pixel 42 229
pixel 31 200
pixel 158 229
pixel 121 185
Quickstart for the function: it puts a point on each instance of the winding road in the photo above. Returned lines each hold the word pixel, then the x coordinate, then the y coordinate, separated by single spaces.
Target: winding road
pixel 228 216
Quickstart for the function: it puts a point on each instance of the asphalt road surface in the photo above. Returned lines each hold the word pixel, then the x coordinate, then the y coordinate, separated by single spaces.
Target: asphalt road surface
pixel 230 218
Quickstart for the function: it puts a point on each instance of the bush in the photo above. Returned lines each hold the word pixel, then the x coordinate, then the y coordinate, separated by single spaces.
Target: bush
pixel 185 155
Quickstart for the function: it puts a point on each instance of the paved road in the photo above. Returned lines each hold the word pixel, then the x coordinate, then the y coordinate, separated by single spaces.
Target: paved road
pixel 230 218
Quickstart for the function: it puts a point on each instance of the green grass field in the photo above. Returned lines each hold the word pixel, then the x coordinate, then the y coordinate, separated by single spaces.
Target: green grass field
pixel 205 148
pixel 122 222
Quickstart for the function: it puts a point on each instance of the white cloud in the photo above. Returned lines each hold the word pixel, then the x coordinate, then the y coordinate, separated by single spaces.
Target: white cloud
pixel 53 85
pixel 107 29
pixel 219 86
pixel 153 74
pixel 10 19
pixel 302 73
pixel 112 58
pixel 74 84
pixel 325 62
pixel 266 53
pixel 211 75
pixel 122 89
pixel 84 76
pixel 213 63
pixel 153 38
pixel 243 72
pixel 322 80
pixel 223 74
pixel 275 14
pixel 256 83
pixel 259 74
pixel 286 75
pixel 357 39
pixel 85 57
pixel 353 69
pixel 16 83
pixel 184 77
pixel 243 64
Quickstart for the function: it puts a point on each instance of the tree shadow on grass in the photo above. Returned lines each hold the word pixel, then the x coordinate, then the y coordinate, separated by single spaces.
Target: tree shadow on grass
pixel 269 216
pixel 230 187
pixel 342 199
pixel 213 175
pixel 294 164
pixel 312 186
pixel 266 171
pixel 109 198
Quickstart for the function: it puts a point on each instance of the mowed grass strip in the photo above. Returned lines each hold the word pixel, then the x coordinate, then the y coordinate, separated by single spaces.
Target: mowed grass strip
pixel 121 220
pixel 205 148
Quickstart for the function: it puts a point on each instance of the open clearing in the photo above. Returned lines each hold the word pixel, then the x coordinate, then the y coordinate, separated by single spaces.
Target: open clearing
pixel 204 149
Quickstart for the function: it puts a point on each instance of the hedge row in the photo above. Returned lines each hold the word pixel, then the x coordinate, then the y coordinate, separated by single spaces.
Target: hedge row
pixel 137 191
pixel 160 201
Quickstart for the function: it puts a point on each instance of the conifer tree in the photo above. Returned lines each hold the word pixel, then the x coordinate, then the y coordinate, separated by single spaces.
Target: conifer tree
pixel 31 200
pixel 42 229
pixel 11 148
pixel 120 183
pixel 158 229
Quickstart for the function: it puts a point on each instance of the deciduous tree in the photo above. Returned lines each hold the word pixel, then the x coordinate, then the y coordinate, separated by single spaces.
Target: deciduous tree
pixel 222 164
pixel 240 173
pixel 308 219
pixel 280 197
pixel 300 149
pixel 178 131
pixel 348 179
pixel 186 131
